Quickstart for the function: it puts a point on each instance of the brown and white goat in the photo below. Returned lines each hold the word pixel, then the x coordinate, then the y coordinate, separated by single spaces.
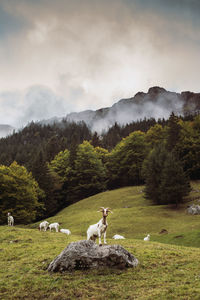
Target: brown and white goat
pixel 96 230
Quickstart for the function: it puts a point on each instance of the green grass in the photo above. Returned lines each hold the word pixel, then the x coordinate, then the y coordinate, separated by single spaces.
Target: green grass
pixel 164 272
pixel 133 216
pixel 169 264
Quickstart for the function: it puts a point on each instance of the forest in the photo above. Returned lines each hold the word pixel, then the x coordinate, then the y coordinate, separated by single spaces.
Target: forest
pixel 44 168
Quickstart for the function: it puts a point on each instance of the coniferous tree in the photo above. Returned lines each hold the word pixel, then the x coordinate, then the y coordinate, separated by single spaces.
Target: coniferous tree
pixel 48 183
pixel 174 129
pixel 174 183
pixel 95 141
pixel 152 169
pixel 165 180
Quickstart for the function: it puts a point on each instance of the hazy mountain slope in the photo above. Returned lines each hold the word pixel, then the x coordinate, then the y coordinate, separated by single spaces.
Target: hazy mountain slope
pixel 156 103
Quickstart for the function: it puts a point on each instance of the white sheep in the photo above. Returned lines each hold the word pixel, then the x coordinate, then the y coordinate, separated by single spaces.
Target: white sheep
pixel 96 230
pixel 118 237
pixel 66 231
pixel 55 226
pixel 147 238
pixel 44 225
pixel 10 220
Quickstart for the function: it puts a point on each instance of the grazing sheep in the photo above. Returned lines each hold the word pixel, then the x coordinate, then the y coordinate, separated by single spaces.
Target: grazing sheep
pixel 118 237
pixel 55 226
pixel 66 231
pixel 10 220
pixel 44 225
pixel 96 230
pixel 147 238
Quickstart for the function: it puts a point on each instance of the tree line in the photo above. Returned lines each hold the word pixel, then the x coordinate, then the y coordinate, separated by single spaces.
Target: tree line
pixel 45 168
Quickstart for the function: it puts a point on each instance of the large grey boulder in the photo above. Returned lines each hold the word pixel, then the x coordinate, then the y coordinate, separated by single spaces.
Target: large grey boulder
pixel 88 255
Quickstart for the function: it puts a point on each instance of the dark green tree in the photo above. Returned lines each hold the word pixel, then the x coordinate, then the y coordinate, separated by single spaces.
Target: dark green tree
pixel 125 161
pixel 151 170
pixel 165 180
pixel 174 129
pixel 95 141
pixel 188 148
pixel 174 183
pixel 49 183
pixel 88 173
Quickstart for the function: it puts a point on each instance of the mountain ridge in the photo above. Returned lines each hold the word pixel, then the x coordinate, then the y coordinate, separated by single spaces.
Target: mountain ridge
pixel 156 103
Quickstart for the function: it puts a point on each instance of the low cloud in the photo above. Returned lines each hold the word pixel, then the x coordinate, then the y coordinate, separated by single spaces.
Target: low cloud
pixel 34 104
pixel 62 56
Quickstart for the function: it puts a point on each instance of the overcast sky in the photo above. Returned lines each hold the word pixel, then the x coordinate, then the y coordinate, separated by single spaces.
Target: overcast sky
pixel 59 56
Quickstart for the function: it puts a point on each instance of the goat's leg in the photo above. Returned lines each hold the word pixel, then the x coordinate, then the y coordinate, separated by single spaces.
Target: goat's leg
pixel 99 235
pixel 104 236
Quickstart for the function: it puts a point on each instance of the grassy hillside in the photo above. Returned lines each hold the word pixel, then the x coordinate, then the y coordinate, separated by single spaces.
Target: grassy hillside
pixel 133 216
pixel 165 271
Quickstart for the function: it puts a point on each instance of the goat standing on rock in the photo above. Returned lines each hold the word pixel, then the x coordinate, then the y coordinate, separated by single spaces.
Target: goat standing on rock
pixel 96 230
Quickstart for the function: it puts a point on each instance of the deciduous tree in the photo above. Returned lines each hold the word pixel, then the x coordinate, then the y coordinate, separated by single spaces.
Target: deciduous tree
pixel 19 193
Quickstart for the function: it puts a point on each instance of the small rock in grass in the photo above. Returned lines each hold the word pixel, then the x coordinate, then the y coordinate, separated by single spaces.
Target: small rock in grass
pixel 163 231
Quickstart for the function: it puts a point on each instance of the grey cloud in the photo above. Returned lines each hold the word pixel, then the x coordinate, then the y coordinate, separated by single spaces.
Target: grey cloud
pixel 37 103
pixel 88 54
pixel 9 23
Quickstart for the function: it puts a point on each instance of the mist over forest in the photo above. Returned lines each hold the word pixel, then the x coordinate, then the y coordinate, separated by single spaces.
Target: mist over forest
pixel 156 103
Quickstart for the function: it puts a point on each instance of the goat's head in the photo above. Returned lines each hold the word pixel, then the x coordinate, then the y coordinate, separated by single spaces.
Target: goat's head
pixel 105 211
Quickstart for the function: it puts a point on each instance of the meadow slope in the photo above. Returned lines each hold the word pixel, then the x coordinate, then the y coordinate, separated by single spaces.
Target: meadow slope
pixel 166 270
pixel 133 217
